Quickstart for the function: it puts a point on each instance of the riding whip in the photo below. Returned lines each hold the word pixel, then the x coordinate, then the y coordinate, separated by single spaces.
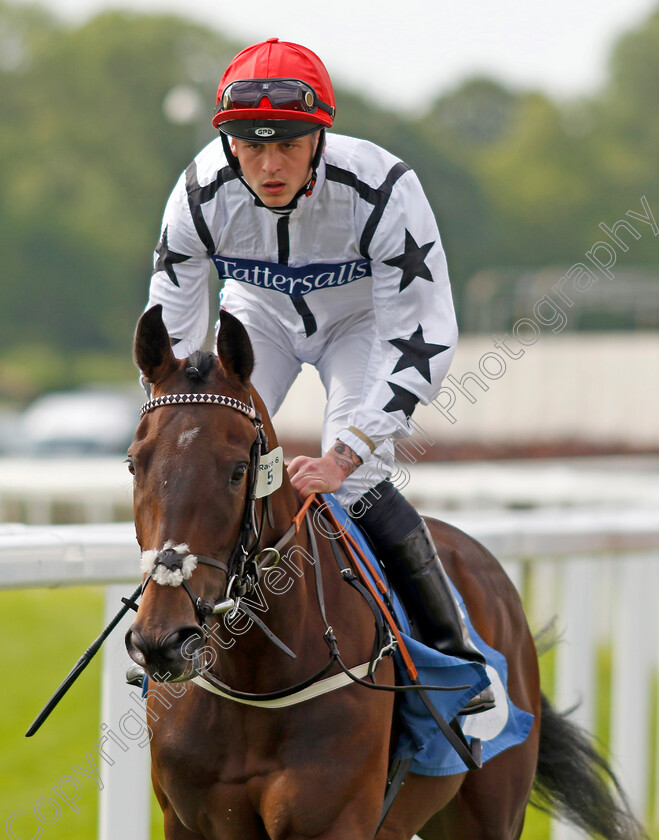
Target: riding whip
pixel 81 664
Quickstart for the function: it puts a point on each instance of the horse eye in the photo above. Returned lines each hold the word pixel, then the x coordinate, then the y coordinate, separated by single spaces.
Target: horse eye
pixel 239 473
pixel 131 465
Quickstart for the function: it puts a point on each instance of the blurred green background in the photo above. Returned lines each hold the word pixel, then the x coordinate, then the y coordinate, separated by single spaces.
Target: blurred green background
pixel 99 118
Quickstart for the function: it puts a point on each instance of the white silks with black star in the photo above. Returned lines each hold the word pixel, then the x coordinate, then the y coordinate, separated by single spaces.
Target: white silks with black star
pixel 363 246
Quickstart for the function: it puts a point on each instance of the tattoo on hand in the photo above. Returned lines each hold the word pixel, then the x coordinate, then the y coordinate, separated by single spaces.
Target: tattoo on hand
pixel 345 458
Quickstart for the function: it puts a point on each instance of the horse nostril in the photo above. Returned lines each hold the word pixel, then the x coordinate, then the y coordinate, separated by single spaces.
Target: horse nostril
pixel 136 647
pixel 186 641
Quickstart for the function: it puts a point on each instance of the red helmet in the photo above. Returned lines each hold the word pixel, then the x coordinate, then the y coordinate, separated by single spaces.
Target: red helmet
pixel 273 91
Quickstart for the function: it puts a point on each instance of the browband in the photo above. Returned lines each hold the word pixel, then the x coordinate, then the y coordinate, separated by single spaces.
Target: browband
pixel 201 399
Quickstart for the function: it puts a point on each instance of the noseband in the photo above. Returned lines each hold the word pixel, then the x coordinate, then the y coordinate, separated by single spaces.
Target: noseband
pixel 173 564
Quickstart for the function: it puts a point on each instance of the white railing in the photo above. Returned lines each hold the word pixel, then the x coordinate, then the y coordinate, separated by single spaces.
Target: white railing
pixel 97 490
pixel 597 570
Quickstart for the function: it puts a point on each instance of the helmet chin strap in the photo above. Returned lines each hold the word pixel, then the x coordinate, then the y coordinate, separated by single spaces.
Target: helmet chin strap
pixel 305 189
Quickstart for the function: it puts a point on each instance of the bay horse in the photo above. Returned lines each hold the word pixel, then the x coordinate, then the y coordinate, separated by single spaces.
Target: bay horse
pixel 225 767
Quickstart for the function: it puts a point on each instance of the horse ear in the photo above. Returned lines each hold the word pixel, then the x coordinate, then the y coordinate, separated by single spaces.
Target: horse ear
pixel 152 349
pixel 234 348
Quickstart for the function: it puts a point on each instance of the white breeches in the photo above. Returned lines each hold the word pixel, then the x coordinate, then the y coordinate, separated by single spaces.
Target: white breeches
pixel 341 358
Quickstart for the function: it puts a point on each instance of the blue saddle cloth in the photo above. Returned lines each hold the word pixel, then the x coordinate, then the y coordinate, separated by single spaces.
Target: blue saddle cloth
pixel 420 737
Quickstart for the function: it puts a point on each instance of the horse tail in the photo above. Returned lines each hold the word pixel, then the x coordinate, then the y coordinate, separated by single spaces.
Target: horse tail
pixel 575 783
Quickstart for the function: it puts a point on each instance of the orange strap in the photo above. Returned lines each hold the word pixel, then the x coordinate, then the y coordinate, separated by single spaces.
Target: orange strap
pixel 351 548
pixel 376 577
pixel 299 516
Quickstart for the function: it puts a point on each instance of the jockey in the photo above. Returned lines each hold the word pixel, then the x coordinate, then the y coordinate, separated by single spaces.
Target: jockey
pixel 330 255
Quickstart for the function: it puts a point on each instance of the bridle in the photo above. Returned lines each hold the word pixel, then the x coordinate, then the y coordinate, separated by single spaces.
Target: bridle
pixel 245 563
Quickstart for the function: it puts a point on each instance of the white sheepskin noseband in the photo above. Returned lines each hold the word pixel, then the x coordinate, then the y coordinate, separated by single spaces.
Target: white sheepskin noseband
pixel 179 568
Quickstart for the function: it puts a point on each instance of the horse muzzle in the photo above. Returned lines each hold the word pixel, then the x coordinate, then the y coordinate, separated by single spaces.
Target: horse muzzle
pixel 174 657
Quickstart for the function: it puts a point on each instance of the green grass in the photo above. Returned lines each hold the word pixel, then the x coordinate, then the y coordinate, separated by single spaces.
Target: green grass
pixel 45 631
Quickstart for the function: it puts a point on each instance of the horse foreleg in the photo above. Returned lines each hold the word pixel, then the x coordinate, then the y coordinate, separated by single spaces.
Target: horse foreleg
pixel 418 799
pixel 174 828
pixel 323 806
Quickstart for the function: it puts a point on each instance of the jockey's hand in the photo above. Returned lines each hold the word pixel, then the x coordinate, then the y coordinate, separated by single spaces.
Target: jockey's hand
pixel 323 475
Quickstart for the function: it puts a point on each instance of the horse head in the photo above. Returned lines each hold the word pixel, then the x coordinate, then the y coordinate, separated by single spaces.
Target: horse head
pixel 192 459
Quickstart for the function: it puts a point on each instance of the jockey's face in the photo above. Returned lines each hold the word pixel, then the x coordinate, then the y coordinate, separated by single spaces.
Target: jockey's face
pixel 276 171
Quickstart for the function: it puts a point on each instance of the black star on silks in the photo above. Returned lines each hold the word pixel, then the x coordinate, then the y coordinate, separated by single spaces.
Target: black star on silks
pixel 167 259
pixel 416 352
pixel 402 400
pixel 412 261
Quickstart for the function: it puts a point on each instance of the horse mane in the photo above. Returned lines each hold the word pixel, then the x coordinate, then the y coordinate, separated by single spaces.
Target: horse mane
pixel 199 365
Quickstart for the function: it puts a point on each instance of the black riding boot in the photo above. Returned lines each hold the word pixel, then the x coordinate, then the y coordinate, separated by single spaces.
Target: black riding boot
pixel 403 542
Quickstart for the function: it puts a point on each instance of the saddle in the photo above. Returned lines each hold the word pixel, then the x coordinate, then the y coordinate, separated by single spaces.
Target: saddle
pixel 422 740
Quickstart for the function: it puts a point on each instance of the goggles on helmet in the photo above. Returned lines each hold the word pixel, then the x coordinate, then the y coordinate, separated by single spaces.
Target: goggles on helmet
pixel 283 94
